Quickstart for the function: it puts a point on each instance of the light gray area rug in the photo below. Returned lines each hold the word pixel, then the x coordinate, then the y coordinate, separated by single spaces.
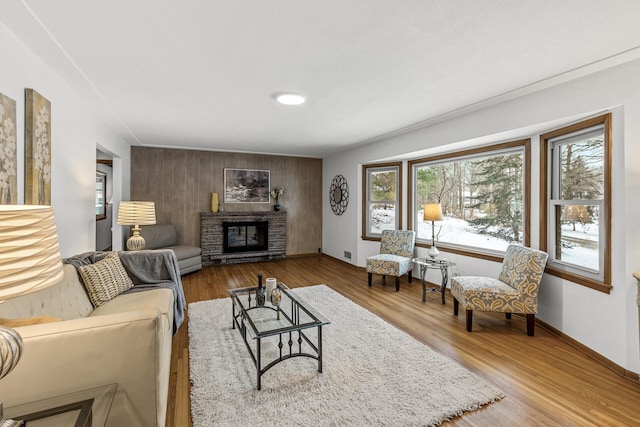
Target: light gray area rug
pixel 373 374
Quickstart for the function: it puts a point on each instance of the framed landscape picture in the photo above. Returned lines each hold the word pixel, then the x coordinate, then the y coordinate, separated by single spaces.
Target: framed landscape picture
pixel 37 135
pixel 8 152
pixel 246 185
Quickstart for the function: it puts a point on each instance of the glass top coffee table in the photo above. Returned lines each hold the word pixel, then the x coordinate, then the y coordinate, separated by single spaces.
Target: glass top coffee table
pixel 276 331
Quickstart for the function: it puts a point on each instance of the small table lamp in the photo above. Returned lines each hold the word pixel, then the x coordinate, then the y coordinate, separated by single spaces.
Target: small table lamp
pixel 433 212
pixel 136 214
pixel 29 261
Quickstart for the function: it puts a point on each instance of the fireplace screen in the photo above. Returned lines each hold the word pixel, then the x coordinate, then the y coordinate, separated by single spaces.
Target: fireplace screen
pixel 246 236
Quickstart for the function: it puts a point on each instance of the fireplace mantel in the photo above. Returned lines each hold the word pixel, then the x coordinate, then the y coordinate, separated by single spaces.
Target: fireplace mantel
pixel 212 236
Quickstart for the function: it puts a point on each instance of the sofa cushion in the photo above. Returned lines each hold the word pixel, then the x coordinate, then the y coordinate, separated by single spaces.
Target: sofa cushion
pixel 105 279
pixel 184 252
pixel 159 235
pixel 66 299
pixel 160 299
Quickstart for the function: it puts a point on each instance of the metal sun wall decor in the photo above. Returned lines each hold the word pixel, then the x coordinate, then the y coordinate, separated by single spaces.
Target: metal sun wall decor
pixel 37 135
pixel 8 152
pixel 246 186
pixel 339 195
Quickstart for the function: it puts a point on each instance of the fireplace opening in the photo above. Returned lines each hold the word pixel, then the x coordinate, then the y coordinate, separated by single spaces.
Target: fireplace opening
pixel 249 236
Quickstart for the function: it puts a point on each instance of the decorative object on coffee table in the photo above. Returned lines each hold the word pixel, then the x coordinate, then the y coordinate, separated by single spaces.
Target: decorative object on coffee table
pixel 271 284
pixel 276 193
pixel 136 214
pixel 29 261
pixel 276 296
pixel 433 212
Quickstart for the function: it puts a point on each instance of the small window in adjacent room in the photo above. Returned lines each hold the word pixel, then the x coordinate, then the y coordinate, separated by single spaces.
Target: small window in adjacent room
pixel 101 195
pixel 382 191
pixel 576 202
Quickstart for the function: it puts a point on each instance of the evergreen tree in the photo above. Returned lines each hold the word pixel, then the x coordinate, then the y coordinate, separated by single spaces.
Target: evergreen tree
pixel 383 188
pixel 499 197
pixel 383 185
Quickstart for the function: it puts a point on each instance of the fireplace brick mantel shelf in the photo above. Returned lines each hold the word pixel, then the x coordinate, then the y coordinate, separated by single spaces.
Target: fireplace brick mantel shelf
pixel 212 236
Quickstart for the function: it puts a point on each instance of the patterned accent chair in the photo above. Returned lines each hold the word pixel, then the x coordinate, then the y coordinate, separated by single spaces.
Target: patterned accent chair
pixel 515 290
pixel 394 259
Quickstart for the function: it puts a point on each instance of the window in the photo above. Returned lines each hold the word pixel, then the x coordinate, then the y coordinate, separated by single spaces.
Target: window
pixel 382 202
pixel 101 194
pixel 575 202
pixel 484 195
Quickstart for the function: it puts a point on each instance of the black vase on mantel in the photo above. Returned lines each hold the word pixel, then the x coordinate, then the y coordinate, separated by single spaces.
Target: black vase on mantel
pixel 276 207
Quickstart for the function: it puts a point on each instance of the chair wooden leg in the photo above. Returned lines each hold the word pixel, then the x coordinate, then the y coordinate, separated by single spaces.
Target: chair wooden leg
pixel 369 278
pixel 397 283
pixel 455 307
pixel 410 276
pixel 469 319
pixel 531 323
pixel 508 315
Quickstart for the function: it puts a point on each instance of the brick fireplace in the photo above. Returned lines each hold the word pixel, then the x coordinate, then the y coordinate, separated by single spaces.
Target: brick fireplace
pixel 234 237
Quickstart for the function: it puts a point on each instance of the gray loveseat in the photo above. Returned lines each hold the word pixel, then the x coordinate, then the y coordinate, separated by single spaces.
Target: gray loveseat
pixel 165 236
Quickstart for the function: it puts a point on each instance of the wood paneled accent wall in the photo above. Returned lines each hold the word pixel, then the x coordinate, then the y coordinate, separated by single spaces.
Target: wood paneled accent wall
pixel 180 182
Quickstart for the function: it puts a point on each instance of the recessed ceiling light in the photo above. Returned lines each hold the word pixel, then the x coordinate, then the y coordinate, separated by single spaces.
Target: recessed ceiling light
pixel 289 98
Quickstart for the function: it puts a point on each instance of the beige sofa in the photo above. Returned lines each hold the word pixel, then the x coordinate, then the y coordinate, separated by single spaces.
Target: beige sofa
pixel 126 341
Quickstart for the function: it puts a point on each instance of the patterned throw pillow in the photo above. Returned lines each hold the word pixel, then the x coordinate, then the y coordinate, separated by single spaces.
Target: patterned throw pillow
pixel 105 279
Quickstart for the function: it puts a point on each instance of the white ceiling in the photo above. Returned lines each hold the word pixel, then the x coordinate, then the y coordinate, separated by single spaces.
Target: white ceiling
pixel 201 73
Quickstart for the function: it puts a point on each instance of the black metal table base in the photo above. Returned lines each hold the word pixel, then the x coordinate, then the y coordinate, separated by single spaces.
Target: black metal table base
pixel 444 270
pixel 293 339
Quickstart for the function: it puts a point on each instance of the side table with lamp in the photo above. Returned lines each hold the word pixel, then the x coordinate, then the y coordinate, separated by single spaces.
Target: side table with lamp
pixel 433 212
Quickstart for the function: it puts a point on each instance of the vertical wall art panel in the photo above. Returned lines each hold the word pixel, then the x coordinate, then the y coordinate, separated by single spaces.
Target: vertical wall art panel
pixel 37 133
pixel 8 152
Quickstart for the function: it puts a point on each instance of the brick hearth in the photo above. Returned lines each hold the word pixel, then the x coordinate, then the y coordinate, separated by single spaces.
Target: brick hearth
pixel 212 237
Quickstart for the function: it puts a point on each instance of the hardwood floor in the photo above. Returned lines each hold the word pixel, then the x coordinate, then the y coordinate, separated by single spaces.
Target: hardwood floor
pixel 547 382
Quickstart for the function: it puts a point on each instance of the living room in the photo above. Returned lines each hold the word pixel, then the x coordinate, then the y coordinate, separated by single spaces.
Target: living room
pixel 604 323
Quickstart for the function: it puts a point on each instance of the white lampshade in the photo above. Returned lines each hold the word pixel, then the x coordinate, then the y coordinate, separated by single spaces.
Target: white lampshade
pixel 432 212
pixel 29 252
pixel 137 213
pixel 29 261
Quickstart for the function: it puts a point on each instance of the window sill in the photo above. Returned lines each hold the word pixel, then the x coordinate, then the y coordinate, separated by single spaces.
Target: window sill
pixel 465 252
pixel 580 280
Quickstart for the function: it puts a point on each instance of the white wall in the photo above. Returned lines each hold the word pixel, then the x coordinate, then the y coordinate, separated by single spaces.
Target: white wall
pixel 607 323
pixel 76 131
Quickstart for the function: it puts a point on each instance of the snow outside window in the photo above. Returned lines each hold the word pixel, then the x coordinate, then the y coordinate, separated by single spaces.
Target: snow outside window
pixel 576 208
pixel 382 190
pixel 483 194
